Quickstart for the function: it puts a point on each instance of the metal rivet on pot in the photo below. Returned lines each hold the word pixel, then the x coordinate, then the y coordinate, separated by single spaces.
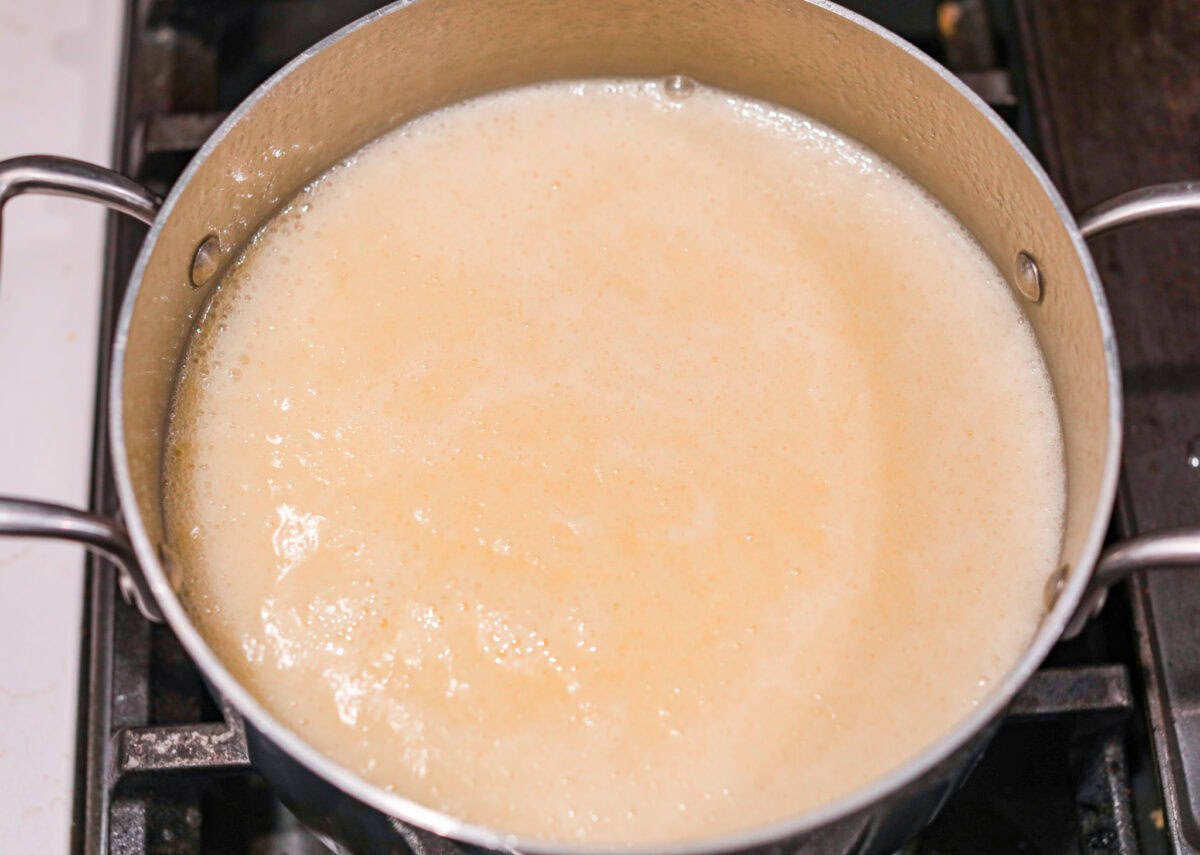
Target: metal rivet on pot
pixel 206 261
pixel 166 557
pixel 679 87
pixel 1028 278
pixel 1055 584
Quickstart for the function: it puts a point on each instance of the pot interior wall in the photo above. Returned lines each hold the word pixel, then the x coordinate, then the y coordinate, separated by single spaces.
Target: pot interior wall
pixel 427 54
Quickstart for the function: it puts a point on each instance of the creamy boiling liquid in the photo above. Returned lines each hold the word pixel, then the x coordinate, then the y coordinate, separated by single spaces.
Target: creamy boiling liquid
pixel 598 464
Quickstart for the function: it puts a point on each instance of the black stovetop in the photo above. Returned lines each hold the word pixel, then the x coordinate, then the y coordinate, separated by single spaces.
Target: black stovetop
pixel 1071 771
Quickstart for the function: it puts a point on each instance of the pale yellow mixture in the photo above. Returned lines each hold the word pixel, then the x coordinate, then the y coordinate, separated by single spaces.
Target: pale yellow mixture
pixel 596 463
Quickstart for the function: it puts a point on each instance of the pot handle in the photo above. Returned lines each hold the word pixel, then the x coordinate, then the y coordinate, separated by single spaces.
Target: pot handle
pixel 61 176
pixel 1172 547
pixel 1145 203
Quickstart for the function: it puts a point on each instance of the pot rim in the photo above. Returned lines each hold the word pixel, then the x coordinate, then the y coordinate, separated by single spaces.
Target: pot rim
pixel 407 811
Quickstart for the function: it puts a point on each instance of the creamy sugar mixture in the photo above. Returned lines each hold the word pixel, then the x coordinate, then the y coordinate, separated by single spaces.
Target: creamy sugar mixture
pixel 600 464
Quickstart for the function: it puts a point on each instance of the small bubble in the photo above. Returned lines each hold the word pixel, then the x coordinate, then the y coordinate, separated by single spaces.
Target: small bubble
pixel 1193 453
pixel 679 87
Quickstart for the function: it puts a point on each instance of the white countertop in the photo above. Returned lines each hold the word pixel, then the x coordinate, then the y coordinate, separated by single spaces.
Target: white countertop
pixel 58 74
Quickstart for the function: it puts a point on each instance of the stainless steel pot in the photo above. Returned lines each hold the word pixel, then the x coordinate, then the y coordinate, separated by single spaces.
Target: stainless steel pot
pixel 413 57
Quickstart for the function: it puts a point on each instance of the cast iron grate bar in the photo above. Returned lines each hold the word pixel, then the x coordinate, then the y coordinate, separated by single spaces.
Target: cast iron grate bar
pixel 1096 689
pixel 180 132
pixel 206 747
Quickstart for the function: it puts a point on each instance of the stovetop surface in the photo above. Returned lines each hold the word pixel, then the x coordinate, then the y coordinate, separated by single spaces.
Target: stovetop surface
pixel 1072 771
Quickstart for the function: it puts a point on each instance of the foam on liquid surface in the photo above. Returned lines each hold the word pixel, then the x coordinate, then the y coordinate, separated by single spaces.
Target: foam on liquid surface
pixel 597 464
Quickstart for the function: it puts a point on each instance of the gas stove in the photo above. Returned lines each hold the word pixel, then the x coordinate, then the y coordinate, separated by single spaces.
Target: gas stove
pixel 1099 754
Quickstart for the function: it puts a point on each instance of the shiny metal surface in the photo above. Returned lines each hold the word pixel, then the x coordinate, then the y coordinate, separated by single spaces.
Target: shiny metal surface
pixel 205 262
pixel 100 534
pixel 1176 547
pixel 1055 585
pixel 1145 203
pixel 1028 277
pixel 413 57
pixel 61 176
pixel 679 87
pixel 1158 550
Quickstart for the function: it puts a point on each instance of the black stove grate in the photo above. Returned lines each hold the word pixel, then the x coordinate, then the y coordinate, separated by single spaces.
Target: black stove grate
pixel 161 772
